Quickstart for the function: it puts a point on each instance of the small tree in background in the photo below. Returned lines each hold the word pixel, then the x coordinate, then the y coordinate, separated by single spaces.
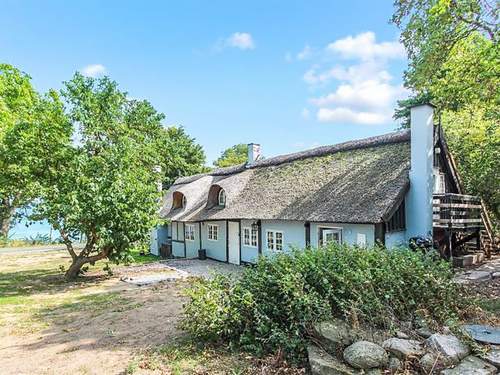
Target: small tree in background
pixel 182 156
pixel 107 187
pixel 34 134
pixel 234 155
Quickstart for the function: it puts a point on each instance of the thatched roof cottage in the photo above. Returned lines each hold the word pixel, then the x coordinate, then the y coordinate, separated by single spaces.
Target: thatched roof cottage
pixel 378 189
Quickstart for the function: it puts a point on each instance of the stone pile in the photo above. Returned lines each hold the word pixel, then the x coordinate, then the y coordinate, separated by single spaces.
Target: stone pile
pixel 342 350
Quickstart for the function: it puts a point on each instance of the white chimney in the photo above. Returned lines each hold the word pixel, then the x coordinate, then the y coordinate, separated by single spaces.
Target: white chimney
pixel 253 152
pixel 419 199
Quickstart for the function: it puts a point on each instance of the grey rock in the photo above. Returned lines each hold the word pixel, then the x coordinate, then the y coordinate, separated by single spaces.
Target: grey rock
pixel 374 371
pixel 395 364
pixel 432 362
pixel 452 349
pixel 483 333
pixel 495 275
pixel 402 348
pixel 402 335
pixel 471 366
pixel 479 276
pixel 336 333
pixel 365 355
pixel 493 357
pixel 424 332
pixel 322 363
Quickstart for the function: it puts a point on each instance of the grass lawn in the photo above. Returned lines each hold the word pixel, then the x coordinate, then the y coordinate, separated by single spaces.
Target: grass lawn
pixel 99 324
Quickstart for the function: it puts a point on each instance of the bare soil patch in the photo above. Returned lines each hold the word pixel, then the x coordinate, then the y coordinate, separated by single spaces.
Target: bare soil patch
pixel 94 326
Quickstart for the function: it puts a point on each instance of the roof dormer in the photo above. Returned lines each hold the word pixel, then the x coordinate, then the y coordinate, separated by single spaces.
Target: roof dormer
pixel 178 200
pixel 216 197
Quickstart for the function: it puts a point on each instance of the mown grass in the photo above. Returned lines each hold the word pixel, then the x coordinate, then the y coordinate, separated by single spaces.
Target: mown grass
pixel 185 357
pixel 34 294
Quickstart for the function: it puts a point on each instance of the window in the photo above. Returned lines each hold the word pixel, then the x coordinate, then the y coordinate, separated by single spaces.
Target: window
pixel 222 197
pixel 274 240
pixel 398 220
pixel 213 232
pixel 189 232
pixel 361 239
pixel 329 235
pixel 179 200
pixel 250 236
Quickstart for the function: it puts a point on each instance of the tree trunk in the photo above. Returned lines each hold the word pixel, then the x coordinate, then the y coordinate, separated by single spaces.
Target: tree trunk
pixel 6 214
pixel 74 270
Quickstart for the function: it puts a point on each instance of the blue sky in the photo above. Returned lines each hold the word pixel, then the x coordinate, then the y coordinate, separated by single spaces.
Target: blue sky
pixel 289 75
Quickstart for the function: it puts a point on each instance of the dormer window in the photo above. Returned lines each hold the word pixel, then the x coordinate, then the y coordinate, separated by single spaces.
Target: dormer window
pixel 222 197
pixel 179 200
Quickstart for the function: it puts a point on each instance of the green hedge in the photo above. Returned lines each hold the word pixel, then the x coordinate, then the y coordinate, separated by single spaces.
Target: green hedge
pixel 274 303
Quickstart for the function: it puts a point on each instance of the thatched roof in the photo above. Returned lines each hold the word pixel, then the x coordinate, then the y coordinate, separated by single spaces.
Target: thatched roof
pixel 353 182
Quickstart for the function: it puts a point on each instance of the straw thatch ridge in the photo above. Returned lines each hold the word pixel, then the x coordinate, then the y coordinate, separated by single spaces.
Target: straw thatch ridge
pixel 395 137
pixel 353 182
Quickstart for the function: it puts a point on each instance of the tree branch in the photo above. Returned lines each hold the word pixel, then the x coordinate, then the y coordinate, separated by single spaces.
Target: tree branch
pixel 68 243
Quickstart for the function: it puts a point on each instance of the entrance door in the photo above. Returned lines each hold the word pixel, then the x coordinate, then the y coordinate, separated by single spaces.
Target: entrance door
pixel 234 242
pixel 329 235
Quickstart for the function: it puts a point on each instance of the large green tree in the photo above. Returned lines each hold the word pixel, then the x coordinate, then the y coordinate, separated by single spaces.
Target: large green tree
pixel 453 56
pixel 234 155
pixel 33 134
pixel 182 156
pixel 107 188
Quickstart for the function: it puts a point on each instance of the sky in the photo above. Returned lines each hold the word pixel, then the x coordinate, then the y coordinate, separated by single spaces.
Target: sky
pixel 289 75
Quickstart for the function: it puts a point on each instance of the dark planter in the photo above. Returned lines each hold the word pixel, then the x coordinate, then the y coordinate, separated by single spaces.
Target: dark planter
pixel 202 254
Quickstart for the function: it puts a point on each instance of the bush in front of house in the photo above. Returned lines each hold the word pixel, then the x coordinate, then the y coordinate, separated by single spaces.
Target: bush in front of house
pixel 274 304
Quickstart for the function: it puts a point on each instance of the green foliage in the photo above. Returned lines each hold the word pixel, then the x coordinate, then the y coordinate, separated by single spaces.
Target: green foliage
pixel 33 133
pixel 273 305
pixel 107 186
pixel 454 60
pixel 182 156
pixel 234 155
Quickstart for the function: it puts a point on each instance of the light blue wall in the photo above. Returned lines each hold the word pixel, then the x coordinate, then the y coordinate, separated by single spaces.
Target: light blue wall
pixel 293 234
pixel 178 249
pixel 192 247
pixel 248 254
pixel 349 232
pixel 395 239
pixel 177 235
pixel 215 249
pixel 159 236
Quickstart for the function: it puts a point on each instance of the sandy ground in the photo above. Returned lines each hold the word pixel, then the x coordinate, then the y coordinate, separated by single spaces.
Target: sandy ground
pixel 87 341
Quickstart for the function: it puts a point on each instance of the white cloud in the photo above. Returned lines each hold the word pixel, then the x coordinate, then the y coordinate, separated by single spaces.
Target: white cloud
pixel 347 115
pixel 305 53
pixel 93 70
pixel 364 91
pixel 365 47
pixel 242 41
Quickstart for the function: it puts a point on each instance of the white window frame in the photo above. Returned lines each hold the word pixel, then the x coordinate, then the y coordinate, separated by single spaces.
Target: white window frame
pixel 222 194
pixel 338 229
pixel 252 240
pixel 189 232
pixel 210 229
pixel 274 240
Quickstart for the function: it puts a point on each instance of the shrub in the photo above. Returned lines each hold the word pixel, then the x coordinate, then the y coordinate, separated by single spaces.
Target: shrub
pixel 274 303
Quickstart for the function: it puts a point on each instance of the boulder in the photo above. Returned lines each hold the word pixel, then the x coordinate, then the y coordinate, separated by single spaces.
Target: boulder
pixel 483 333
pixel 471 366
pixel 424 332
pixel 493 357
pixel 322 363
pixel 450 347
pixel 395 364
pixel 365 355
pixel 403 348
pixel 335 334
pixel 432 362
pixel 402 335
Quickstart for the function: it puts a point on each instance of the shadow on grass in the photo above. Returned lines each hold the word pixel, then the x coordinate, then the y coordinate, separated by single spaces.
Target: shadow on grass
pixel 24 283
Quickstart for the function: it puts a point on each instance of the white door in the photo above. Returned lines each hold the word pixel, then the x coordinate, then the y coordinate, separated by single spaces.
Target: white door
pixel 234 242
